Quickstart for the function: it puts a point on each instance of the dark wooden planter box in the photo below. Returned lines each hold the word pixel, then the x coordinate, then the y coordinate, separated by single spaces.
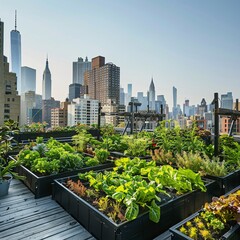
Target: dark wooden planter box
pixel 141 228
pixel 232 234
pixel 226 183
pixel 26 136
pixel 120 155
pixel 42 186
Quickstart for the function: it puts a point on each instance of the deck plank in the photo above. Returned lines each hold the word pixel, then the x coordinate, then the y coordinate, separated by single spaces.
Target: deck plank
pixel 24 217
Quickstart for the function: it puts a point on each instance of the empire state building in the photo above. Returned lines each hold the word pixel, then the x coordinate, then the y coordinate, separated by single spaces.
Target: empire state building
pixel 46 83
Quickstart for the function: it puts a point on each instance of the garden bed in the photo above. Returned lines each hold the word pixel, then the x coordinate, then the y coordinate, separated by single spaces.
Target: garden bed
pixel 232 234
pixel 142 227
pixel 119 155
pixel 226 183
pixel 214 221
pixel 42 185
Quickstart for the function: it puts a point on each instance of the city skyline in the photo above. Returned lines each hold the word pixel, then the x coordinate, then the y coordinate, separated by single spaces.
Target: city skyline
pixel 192 45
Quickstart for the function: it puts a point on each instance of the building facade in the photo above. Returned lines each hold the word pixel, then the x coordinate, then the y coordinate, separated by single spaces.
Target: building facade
pixel 103 81
pixel 46 83
pixel 47 106
pixel 84 111
pixel 28 101
pixel 79 68
pixel 28 76
pixel 75 91
pixel 16 58
pixel 59 116
pixel 9 99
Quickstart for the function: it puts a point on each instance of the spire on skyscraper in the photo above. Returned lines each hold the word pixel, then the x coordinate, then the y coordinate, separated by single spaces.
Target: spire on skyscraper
pixel 152 87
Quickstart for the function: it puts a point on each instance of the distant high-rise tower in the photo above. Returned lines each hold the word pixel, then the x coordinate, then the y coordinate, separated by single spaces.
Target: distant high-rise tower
pixel 79 68
pixel 122 96
pixel 9 100
pixel 129 86
pixel 74 91
pixel 174 97
pixel 28 79
pixel 46 83
pixel 103 81
pixel 227 100
pixel 16 61
pixel 152 96
pixel 175 108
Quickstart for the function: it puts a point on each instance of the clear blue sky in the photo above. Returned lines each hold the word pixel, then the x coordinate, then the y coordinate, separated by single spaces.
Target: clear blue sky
pixel 193 45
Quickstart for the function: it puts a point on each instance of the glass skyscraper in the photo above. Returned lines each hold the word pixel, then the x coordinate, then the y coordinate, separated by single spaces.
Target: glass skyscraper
pixel 16 61
pixel 79 68
pixel 28 79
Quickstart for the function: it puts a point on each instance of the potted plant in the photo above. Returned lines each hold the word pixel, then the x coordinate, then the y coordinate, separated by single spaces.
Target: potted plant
pixel 7 167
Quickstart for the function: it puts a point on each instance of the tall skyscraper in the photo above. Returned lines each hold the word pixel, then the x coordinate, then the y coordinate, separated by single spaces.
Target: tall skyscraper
pixel 175 108
pixel 129 86
pixel 152 96
pixel 9 100
pixel 46 83
pixel 227 100
pixel 79 68
pixel 128 95
pixel 16 59
pixel 122 96
pixel 174 97
pixel 103 81
pixel 28 79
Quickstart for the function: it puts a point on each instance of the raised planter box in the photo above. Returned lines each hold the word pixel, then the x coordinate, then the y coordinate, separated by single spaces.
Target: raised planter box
pixel 42 186
pixel 25 136
pixel 226 183
pixel 120 155
pixel 33 135
pixel 232 234
pixel 141 228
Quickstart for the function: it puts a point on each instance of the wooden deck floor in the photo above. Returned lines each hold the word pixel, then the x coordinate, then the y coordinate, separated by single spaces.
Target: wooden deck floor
pixel 24 217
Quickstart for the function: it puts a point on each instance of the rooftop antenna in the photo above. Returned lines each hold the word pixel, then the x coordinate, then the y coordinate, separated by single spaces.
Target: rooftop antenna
pixel 15 20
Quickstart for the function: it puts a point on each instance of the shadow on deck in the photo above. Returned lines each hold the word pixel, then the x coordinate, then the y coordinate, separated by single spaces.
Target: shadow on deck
pixel 24 217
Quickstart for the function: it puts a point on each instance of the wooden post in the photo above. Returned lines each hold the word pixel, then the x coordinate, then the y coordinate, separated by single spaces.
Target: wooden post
pixel 216 124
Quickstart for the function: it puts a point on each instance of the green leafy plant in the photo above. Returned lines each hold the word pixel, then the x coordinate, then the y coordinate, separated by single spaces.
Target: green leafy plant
pixel 136 184
pixel 177 140
pixel 6 139
pixel 136 146
pixel 101 155
pixel 51 157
